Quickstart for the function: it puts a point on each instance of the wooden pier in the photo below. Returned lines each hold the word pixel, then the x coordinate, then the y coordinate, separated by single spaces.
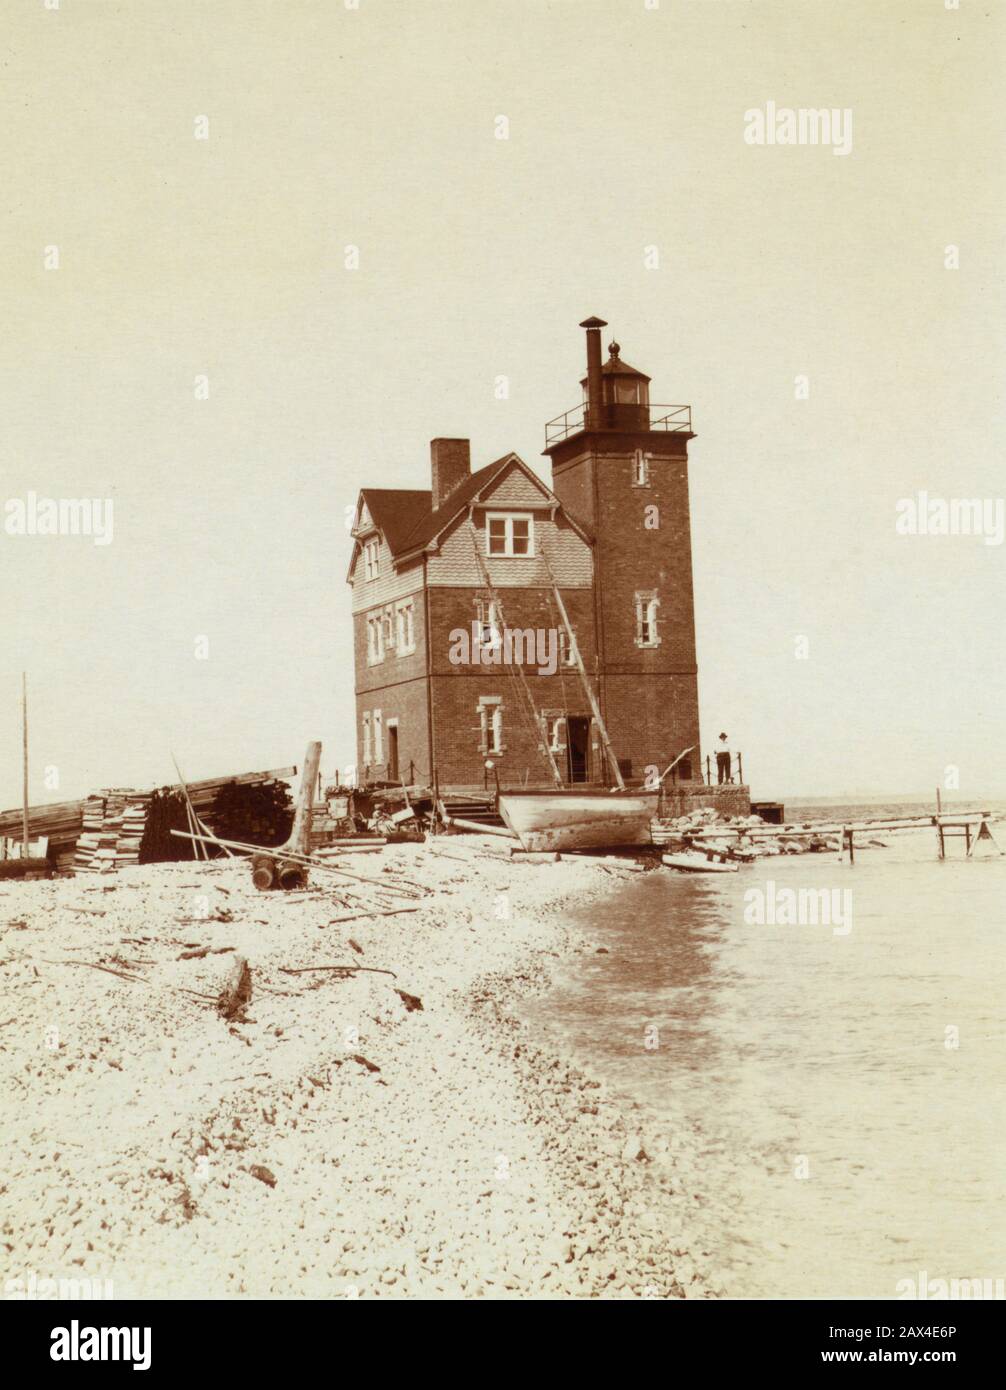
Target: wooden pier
pixel 971 826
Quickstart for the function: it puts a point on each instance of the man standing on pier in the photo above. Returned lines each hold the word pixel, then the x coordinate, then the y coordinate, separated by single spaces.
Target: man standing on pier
pixel 723 761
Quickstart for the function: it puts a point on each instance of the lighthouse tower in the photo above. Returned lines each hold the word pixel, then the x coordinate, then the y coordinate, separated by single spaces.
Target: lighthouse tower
pixel 620 465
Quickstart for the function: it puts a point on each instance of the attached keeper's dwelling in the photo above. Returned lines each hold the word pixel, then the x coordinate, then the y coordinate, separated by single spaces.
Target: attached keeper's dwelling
pixel 461 653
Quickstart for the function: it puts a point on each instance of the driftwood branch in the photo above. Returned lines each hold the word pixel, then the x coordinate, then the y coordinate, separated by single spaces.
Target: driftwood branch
pixel 237 991
pixel 91 966
pixel 345 969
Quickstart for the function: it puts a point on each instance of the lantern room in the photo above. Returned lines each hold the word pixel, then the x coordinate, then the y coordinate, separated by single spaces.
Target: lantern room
pixel 624 394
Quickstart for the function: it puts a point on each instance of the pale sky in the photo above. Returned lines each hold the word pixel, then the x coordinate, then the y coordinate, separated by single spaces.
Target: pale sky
pixel 376 127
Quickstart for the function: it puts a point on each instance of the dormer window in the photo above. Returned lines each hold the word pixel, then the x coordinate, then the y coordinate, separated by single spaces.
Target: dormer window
pixel 372 558
pixel 509 533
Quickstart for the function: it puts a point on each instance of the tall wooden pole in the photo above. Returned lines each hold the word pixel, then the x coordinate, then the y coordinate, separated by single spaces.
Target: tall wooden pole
pixel 300 833
pixel 594 707
pixel 24 740
pixel 939 825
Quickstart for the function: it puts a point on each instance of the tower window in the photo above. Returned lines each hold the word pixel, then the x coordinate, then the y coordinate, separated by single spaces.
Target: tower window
pixel 509 533
pixel 378 737
pixel 647 604
pixel 491 724
pixel 366 740
pixel 490 629
pixel 640 469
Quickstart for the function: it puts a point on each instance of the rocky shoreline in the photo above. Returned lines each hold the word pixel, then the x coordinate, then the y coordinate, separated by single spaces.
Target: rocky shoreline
pixel 353 1134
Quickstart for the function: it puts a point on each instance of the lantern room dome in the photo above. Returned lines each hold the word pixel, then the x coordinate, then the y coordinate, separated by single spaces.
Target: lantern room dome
pixel 621 385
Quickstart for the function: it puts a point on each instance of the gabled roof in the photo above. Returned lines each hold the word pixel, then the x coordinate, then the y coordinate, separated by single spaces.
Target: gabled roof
pixel 394 510
pixel 405 517
pixel 428 527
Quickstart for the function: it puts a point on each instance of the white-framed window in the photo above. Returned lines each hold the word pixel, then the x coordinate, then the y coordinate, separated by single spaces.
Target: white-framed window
pixel 490 628
pixel 555 727
pixel 640 469
pixel 375 639
pixel 647 604
pixel 366 738
pixel 567 649
pixel 491 723
pixel 405 615
pixel 378 737
pixel 389 627
pixel 509 533
pixel 372 558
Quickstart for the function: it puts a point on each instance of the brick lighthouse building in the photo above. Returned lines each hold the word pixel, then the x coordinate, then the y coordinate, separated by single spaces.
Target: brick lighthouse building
pixel 483 552
pixel 622 467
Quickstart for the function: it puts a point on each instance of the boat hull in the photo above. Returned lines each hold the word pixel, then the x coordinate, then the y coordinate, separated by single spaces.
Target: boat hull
pixel 578 820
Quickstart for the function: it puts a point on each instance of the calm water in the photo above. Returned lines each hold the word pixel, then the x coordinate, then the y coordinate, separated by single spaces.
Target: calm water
pixel 777 1042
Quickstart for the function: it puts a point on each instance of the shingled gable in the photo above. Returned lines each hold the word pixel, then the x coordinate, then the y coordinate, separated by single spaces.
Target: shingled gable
pixel 474 492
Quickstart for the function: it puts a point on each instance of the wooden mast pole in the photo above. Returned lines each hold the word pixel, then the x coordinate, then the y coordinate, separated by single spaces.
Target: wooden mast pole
pixel 671 766
pixel 24 749
pixel 543 743
pixel 594 706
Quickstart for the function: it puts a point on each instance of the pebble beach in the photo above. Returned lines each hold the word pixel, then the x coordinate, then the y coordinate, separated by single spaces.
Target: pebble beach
pixel 348 1134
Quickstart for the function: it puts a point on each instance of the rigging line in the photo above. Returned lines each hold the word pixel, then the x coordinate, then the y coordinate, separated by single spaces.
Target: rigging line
pixel 518 672
pixel 526 702
pixel 595 708
pixel 557 625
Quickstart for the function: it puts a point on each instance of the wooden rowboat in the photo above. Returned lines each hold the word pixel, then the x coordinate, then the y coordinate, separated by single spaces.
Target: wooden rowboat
pixel 697 864
pixel 578 819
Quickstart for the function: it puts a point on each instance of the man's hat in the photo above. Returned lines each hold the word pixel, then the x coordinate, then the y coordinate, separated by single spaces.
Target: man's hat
pixel 722 735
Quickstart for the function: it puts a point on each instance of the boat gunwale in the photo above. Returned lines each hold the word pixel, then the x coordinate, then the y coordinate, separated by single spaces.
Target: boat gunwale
pixel 599 792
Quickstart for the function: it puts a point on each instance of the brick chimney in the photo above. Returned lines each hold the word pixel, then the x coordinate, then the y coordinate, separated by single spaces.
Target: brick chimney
pixel 451 465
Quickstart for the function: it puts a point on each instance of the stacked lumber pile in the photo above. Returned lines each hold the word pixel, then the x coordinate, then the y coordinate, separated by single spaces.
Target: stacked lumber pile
pixel 258 813
pixel 114 822
pixel 93 815
pixel 106 830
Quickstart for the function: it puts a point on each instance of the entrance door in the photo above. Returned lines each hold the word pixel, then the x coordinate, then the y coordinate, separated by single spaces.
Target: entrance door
pixel 392 752
pixel 578 747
